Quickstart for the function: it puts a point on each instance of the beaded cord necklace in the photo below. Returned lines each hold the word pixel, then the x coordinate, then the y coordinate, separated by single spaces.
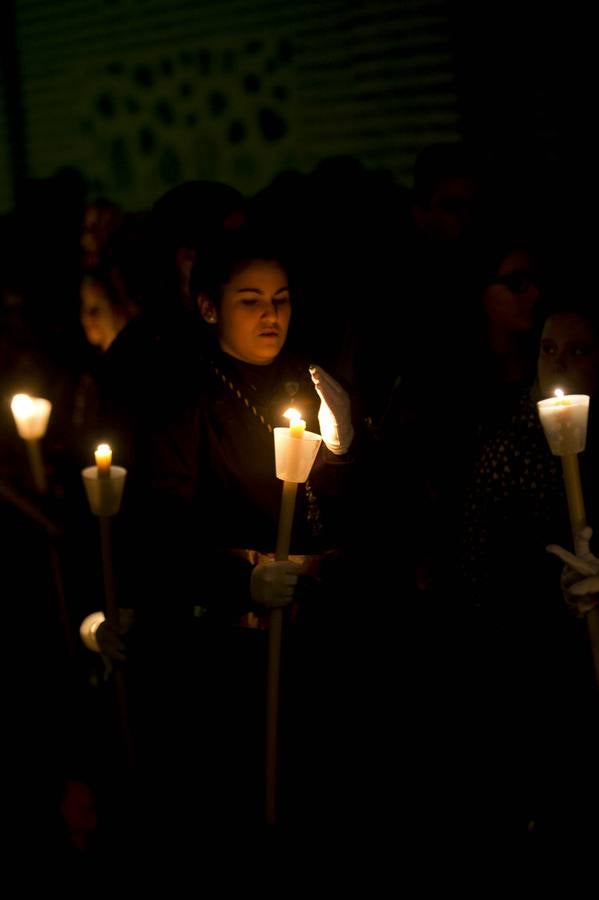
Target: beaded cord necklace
pixel 313 515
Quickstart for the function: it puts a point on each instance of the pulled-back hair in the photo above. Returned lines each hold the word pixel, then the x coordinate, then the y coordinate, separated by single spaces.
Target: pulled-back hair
pixel 217 264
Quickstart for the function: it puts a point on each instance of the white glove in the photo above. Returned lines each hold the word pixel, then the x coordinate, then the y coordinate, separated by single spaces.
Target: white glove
pixel 579 591
pixel 89 628
pixel 334 415
pixel 272 583
pixel 101 637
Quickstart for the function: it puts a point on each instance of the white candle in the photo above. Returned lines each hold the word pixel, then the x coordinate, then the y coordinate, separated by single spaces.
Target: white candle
pixel 103 455
pixel 297 425
pixel 564 420
pixel 31 416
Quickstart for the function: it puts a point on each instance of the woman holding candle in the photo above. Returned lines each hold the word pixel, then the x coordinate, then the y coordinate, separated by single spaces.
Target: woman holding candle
pixel 536 679
pixel 207 528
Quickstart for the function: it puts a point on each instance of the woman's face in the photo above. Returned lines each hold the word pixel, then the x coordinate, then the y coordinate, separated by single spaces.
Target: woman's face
pixel 101 322
pixel 511 296
pixel 568 355
pixel 254 312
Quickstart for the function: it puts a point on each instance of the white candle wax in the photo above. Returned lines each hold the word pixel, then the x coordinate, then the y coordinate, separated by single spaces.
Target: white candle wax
pixel 31 416
pixel 564 420
pixel 103 456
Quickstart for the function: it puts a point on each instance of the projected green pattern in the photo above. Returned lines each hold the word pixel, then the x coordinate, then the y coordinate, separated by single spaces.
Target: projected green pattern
pixel 217 113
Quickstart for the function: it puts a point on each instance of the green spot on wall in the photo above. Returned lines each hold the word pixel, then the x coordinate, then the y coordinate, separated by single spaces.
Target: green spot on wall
pixel 229 60
pixel 147 140
pixel 186 57
pixel 252 84
pixel 164 112
pixel 115 68
pixel 86 126
pixel 217 103
pixel 132 105
pixel 237 132
pixel 185 89
pixel 106 106
pixel 279 92
pixel 191 120
pixel 169 167
pixel 272 125
pixel 254 47
pixel 167 66
pixel 285 50
pixel 204 62
pixel 143 76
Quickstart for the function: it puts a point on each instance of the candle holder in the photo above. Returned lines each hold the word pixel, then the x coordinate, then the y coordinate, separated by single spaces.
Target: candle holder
pixel 294 456
pixel 295 453
pixel 31 415
pixel 564 419
pixel 104 489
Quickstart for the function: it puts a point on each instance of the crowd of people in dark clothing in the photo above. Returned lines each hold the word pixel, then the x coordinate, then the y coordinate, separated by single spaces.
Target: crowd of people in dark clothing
pixel 432 673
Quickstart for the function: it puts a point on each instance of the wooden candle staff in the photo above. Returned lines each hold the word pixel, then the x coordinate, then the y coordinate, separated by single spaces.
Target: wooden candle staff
pixel 31 415
pixel 295 452
pixel 564 420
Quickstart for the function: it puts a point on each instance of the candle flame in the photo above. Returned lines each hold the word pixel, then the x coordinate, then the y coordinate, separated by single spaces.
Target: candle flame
pixel 31 415
pixel 558 392
pixel 22 406
pixel 293 415
pixel 103 455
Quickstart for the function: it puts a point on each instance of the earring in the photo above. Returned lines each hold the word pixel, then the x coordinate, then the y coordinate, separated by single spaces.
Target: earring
pixel 211 318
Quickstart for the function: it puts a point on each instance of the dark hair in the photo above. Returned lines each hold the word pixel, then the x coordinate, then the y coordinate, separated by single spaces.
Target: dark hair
pixel 493 244
pixel 564 301
pixel 439 162
pixel 216 266
pixel 189 213
pixel 108 278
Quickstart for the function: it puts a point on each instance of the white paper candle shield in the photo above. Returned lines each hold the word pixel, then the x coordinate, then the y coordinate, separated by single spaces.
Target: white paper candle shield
pixel 564 420
pixel 294 456
pixel 31 416
pixel 104 494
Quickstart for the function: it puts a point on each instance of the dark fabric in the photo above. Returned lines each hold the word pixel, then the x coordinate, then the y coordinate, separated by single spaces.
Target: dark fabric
pixel 197 679
pixel 212 485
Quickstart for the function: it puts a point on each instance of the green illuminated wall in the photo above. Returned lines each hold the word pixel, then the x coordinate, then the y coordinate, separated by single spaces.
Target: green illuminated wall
pixel 142 94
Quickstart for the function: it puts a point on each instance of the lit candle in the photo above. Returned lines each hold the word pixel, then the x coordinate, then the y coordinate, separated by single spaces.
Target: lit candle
pixel 31 416
pixel 103 455
pixel 297 425
pixel 564 420
pixel 295 452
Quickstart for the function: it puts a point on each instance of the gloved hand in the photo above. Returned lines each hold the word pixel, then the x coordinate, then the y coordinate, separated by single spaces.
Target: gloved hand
pixel 334 415
pixel 272 583
pixel 580 593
